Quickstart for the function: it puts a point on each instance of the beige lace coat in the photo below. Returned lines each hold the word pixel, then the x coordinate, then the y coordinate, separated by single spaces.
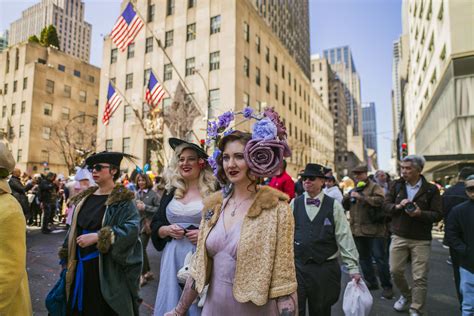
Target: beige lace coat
pixel 265 267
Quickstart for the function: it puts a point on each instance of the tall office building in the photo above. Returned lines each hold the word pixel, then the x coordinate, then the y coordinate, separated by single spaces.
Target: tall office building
pixel 369 125
pixel 67 16
pixel 289 20
pixel 4 41
pixel 439 107
pixel 225 57
pixel 342 63
pixel 48 105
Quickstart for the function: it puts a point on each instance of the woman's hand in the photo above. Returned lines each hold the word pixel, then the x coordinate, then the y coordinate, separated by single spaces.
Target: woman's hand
pixel 192 235
pixel 173 313
pixel 287 305
pixel 146 226
pixel 175 231
pixel 87 240
pixel 141 206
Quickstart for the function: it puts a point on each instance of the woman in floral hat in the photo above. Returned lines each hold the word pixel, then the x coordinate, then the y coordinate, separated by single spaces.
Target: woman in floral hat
pixel 245 245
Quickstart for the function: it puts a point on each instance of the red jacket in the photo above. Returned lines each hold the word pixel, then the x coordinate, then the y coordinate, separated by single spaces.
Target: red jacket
pixel 284 183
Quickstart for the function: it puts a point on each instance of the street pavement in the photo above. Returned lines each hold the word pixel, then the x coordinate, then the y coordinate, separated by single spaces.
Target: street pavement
pixel 43 270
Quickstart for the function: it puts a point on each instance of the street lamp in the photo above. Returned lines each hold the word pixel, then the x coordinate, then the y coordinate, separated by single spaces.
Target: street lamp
pixel 196 71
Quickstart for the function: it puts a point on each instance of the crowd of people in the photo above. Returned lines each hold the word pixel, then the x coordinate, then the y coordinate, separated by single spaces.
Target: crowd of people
pixel 235 238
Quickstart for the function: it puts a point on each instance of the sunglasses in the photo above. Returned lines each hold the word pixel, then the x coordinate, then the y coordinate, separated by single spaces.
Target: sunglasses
pixel 470 189
pixel 98 167
pixel 310 178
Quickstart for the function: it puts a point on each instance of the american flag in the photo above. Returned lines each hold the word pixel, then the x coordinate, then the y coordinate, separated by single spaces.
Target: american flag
pixel 154 91
pixel 126 28
pixel 113 102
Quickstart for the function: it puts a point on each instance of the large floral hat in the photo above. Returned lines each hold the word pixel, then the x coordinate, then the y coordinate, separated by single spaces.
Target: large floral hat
pixel 265 152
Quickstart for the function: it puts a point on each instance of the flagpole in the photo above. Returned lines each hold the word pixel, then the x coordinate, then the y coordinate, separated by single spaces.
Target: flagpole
pixel 167 56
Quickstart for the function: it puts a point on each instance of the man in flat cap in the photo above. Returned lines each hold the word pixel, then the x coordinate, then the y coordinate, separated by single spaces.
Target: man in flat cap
pixel 321 231
pixel 365 203
pixel 14 290
pixel 104 230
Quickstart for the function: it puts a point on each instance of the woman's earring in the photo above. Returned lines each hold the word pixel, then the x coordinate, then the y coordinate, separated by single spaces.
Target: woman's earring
pixel 202 163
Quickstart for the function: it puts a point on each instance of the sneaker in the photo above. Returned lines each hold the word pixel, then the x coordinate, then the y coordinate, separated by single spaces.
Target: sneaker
pixel 387 293
pixel 414 312
pixel 402 305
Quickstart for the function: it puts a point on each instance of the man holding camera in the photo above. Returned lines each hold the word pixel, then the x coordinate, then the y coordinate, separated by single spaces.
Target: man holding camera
pixel 364 203
pixel 414 205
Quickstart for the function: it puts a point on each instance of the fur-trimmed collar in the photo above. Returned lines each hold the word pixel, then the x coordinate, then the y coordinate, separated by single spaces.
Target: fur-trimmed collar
pixel 119 193
pixel 266 198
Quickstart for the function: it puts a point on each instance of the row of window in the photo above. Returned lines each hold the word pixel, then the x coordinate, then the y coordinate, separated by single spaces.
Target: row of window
pixel 13 109
pixel 125 145
pixel 50 84
pixel 15 86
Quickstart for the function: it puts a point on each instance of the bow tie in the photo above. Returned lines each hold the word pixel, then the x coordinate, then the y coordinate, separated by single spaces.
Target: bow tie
pixel 316 202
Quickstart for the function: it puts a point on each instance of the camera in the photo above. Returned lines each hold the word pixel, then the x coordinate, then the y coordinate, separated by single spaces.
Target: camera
pixel 410 207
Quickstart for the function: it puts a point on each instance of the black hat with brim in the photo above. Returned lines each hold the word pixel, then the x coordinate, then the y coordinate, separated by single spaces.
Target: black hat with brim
pixel 110 157
pixel 314 170
pixel 175 142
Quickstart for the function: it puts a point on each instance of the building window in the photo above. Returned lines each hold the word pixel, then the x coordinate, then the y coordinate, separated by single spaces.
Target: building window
pixel 169 7
pixel 276 92
pixel 257 76
pixel 15 85
pixel 65 113
pixel 267 84
pixel 13 109
pixel 191 32
pixel 275 63
pixel 149 45
pixel 214 61
pixel 44 156
pixel 23 107
pixel 127 113
pixel 246 67
pixel 25 83
pixel 77 73
pixel 82 96
pixel 67 91
pixel 283 71
pixel 257 43
pixel 4 111
pixel 190 64
pixel 131 51
pixel 246 32
pixel 129 81
pixel 214 97
pixel 246 99
pixel 169 38
pixel 81 117
pixel 191 4
pixel 46 132
pixel 108 145
pixel 113 55
pixel 5 88
pixel 49 86
pixel 91 79
pixel 290 129
pixel 48 109
pixel 146 76
pixel 19 154
pixel 283 98
pixel 267 55
pixel 151 13
pixel 168 72
pixel 126 145
pixel 215 24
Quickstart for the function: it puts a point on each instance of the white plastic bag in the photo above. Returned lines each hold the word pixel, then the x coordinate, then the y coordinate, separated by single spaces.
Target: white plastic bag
pixel 357 299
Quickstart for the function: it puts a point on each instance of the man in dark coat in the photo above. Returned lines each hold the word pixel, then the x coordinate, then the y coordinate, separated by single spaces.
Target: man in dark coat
pixel 47 195
pixel 460 239
pixel 453 196
pixel 18 191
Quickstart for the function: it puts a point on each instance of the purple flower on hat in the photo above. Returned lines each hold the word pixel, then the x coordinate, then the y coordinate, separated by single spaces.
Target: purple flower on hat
pixel 275 118
pixel 247 112
pixel 212 129
pixel 265 157
pixel 225 119
pixel 212 161
pixel 229 131
pixel 264 129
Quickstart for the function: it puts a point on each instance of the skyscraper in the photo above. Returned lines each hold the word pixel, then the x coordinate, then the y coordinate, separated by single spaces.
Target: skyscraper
pixel 67 16
pixel 369 125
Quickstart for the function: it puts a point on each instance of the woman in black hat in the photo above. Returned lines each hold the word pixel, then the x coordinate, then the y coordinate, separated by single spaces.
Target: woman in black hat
pixel 175 226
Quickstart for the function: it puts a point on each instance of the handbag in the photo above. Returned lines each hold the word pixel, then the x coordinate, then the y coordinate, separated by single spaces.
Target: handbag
pixel 56 299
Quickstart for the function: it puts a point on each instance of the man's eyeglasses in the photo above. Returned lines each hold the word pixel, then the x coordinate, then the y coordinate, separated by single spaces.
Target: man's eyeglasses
pixel 470 189
pixel 310 178
pixel 98 167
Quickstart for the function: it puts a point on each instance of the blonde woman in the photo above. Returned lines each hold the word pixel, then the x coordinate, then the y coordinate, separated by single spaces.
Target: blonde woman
pixel 175 227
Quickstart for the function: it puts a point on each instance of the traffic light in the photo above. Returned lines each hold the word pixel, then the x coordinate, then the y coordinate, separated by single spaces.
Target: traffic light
pixel 404 150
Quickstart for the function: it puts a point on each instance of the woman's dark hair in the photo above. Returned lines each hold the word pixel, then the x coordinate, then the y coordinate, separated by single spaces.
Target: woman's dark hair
pixel 239 136
pixel 148 183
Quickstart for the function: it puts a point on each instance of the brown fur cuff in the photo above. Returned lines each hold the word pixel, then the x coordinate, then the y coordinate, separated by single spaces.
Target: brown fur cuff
pixel 106 239
pixel 62 253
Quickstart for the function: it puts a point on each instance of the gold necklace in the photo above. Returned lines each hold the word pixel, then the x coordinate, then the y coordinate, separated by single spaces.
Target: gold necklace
pixel 238 205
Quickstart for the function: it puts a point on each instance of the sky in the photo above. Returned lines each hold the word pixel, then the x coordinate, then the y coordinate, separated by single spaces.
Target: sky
pixel 369 27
